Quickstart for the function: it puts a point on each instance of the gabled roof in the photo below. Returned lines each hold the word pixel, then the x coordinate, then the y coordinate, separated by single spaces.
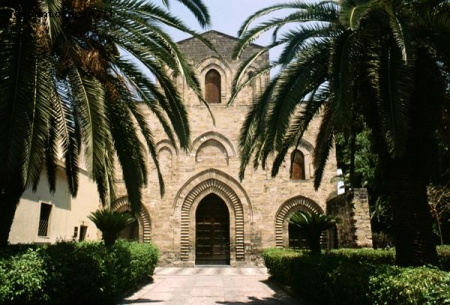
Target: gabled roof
pixel 218 34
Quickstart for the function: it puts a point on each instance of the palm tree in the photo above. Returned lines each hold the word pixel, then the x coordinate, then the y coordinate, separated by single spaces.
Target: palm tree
pixel 313 224
pixel 66 88
pixel 385 60
pixel 111 223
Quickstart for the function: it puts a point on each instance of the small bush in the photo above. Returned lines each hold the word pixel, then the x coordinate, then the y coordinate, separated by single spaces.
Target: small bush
pixel 279 263
pixel 22 278
pixel 355 276
pixel 410 286
pixel 74 273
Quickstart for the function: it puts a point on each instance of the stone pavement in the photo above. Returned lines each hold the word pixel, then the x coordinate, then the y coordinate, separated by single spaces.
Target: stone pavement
pixel 210 285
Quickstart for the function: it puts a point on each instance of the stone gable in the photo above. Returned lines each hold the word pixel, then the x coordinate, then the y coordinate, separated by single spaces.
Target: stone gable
pixel 197 51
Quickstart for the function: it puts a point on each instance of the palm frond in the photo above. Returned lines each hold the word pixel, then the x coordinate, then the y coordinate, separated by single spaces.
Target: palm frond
pixel 298 126
pixel 395 87
pixel 129 149
pixel 17 71
pixel 293 85
pixel 324 144
pixel 296 40
pixel 238 83
pixel 53 9
pixel 41 142
pixel 149 94
pixel 253 128
pixel 342 77
pixel 90 106
pixel 200 11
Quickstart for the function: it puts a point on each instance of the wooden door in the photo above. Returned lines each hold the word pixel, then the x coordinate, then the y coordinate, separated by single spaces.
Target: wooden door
pixel 212 232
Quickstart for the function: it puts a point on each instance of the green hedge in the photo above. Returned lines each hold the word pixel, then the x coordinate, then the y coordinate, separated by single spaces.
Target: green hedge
pixel 74 273
pixel 351 276
pixel 404 286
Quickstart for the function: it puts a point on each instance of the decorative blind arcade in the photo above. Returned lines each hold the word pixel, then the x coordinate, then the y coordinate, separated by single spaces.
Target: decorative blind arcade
pixel 212 87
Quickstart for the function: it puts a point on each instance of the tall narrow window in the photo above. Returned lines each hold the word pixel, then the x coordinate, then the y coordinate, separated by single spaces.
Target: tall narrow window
pixel 212 86
pixel 44 219
pixel 298 165
pixel 83 231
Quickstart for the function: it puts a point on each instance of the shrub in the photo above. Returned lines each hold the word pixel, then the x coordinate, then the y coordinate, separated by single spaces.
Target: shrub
pixel 279 263
pixel 74 273
pixel 355 276
pixel 22 278
pixel 410 286
pixel 132 263
pixel 77 273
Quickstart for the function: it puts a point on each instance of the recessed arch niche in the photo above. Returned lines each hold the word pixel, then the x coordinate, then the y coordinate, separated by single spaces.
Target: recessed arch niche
pixel 292 205
pixel 143 218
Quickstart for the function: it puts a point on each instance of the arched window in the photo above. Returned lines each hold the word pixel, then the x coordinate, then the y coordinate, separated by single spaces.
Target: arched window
pixel 297 165
pixel 212 86
pixel 250 75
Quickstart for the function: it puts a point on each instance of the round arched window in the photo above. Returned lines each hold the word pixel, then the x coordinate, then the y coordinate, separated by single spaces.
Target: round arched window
pixel 212 86
pixel 298 165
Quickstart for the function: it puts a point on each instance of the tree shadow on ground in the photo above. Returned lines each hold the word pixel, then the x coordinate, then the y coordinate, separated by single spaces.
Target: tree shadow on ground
pixel 253 300
pixel 140 301
pixel 280 297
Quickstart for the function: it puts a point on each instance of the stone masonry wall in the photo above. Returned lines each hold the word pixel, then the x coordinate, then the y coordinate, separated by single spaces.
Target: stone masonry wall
pixel 353 208
pixel 212 166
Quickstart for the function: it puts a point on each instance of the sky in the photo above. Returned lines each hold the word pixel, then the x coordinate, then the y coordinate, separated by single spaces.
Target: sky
pixel 227 17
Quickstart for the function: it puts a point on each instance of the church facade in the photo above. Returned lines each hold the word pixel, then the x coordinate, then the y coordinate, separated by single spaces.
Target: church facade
pixel 207 215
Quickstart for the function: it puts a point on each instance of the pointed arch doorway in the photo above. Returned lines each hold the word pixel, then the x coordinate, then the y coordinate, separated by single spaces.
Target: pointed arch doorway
pixel 212 232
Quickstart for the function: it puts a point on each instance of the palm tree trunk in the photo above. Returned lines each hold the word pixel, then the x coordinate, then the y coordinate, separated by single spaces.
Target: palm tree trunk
pixel 314 244
pixel 8 205
pixel 415 242
pixel 412 221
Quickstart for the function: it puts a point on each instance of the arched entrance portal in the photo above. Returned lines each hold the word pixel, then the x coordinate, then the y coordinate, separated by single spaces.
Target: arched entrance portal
pixel 212 232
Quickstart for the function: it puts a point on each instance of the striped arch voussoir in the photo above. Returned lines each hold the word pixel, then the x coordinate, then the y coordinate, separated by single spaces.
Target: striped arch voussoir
pixel 296 203
pixel 144 217
pixel 200 190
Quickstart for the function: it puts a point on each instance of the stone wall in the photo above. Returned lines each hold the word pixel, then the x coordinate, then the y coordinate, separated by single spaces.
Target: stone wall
pixel 259 205
pixel 353 208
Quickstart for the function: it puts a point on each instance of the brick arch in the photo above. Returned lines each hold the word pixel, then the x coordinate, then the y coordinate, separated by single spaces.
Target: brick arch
pixel 212 151
pixel 287 208
pixel 213 61
pixel 237 201
pixel 143 217
pixel 306 145
pixel 214 136
pixel 224 70
pixel 307 149
pixel 166 144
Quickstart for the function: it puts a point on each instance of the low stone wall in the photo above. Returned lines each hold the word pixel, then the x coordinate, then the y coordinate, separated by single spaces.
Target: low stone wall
pixel 353 208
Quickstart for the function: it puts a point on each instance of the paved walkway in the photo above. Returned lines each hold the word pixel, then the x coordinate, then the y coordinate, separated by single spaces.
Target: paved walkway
pixel 210 285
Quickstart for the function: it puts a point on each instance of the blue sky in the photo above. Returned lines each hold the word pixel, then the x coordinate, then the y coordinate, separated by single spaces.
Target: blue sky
pixel 226 15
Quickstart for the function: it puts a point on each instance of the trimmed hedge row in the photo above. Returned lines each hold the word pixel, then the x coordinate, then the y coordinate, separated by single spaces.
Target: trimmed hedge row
pixel 363 276
pixel 74 273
